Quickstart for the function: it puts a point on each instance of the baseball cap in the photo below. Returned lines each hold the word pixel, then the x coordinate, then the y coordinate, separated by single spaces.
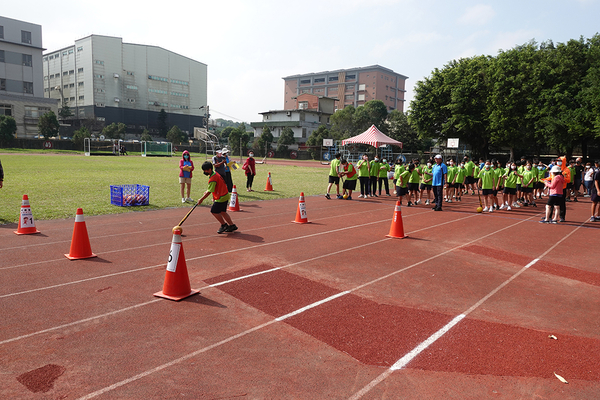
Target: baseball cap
pixel 438 156
pixel 556 169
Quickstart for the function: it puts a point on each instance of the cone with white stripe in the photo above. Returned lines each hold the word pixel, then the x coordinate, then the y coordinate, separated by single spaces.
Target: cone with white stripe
pixel 269 186
pixel 301 216
pixel 177 282
pixel 397 228
pixel 234 203
pixel 26 222
pixel 80 242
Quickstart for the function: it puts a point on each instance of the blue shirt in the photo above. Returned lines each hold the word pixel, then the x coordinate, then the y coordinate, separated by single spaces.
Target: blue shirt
pixel 187 174
pixel 438 174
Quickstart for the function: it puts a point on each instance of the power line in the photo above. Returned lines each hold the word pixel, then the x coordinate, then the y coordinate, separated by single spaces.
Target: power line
pixel 228 116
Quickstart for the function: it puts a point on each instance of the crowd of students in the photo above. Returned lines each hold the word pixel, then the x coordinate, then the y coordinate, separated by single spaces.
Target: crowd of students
pixel 502 186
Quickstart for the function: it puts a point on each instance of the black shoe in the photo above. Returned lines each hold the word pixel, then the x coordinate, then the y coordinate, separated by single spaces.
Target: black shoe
pixel 575 200
pixel 561 220
pixel 437 209
pixel 231 228
pixel 327 196
pixel 339 196
pixel 222 229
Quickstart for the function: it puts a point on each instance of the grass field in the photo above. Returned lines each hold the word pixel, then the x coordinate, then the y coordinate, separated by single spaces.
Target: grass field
pixel 59 183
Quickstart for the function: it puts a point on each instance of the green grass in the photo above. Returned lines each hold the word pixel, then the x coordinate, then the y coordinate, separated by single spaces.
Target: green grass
pixel 58 183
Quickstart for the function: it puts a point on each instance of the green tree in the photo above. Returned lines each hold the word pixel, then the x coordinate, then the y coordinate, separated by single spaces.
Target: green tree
pixel 8 128
pixel 263 143
pixel 145 137
pixel 374 112
pixel 285 139
pixel 400 129
pixel 48 125
pixel 161 122
pixel 591 90
pixel 114 130
pixel 342 123
pixel 176 135
pixel 65 111
pixel 80 134
pixel 238 137
pixel 315 141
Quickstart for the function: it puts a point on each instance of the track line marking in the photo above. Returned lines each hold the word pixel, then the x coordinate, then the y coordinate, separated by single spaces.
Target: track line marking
pixel 279 319
pixel 402 362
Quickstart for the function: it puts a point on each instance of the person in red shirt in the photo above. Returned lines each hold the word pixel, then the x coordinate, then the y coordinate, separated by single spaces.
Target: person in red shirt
pixel 218 188
pixel 250 169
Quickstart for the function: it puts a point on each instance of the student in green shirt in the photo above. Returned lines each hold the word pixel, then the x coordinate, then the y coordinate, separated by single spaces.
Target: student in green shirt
pixel 351 175
pixel 402 182
pixel 450 188
pixel 527 185
pixel 413 184
pixel 426 178
pixel 539 185
pixel 374 175
pixel 498 172
pixel 384 167
pixel 510 187
pixel 398 169
pixel 459 180
pixel 469 177
pixel 334 176
pixel 363 176
pixel 487 183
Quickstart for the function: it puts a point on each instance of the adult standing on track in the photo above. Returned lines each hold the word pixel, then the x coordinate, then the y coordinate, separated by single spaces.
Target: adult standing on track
pixel 249 168
pixel 374 176
pixel 363 176
pixel 383 177
pixel 186 166
pixel 595 197
pixel 227 177
pixel 439 172
pixel 334 176
pixel 562 163
pixel 555 193
pixel 218 162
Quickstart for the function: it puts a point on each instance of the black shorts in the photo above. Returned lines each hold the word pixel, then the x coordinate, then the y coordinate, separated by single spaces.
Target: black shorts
pixel 570 185
pixel 425 187
pixel 400 191
pixel 218 207
pixel 494 193
pixel 469 180
pixel 487 192
pixel 539 185
pixel 518 187
pixel 510 190
pixel 527 189
pixel 452 185
pixel 349 184
pixel 554 200
pixel 595 198
pixel 334 179
pixel 413 186
pixel 577 184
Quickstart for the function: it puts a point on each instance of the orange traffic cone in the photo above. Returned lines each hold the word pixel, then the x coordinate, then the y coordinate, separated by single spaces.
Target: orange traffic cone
pixel 397 228
pixel 177 282
pixel 80 242
pixel 269 187
pixel 301 217
pixel 234 204
pixel 26 222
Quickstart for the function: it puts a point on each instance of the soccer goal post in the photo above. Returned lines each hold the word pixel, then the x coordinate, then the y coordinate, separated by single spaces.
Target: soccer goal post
pixel 157 149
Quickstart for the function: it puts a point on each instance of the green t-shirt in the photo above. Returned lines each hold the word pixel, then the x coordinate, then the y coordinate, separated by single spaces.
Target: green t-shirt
pixel 333 171
pixel 461 172
pixel 541 173
pixel 476 172
pixel 212 186
pixel 383 170
pixel 451 174
pixel 510 180
pixel 414 176
pixel 470 167
pixel 398 169
pixel 520 170
pixel 528 176
pixel 404 176
pixel 374 168
pixel 487 177
pixel 426 175
pixel 363 168
pixel 498 172
pixel 350 169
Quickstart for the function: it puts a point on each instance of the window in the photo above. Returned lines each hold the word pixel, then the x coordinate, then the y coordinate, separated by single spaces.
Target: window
pixel 71 51
pixel 81 97
pixel 35 112
pixel 319 80
pixel 26 37
pixel 27 60
pixel 71 85
pixel 99 62
pixel 65 86
pixel 45 58
pixel 100 91
pixel 64 53
pixel 71 72
pixel 28 87
pixel 80 48
pixel 99 76
pixel 65 73
pixel 2 56
pixel 333 79
pixel 180 82
pixel 157 78
pixel 350 77
pixel 46 78
pixel 72 98
pixel 132 87
pixel 1 32
pixel 2 84
pixel 129 73
pixel 5 109
pixel 79 70
pixel 51 57
pixel 80 84
pixel 305 82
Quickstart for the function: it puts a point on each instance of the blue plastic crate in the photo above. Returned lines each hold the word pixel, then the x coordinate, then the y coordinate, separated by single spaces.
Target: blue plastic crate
pixel 129 195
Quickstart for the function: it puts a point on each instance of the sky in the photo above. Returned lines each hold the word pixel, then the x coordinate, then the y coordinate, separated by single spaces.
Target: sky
pixel 249 46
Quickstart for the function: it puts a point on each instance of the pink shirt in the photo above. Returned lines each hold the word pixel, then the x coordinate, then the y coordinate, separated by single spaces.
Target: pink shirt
pixel 556 186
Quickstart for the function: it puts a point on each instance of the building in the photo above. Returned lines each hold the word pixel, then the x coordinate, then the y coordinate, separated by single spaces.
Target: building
pixel 308 112
pixel 104 79
pixel 353 87
pixel 21 78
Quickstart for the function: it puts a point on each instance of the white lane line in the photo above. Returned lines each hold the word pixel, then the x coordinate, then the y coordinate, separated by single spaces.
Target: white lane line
pixel 166 243
pixel 402 362
pixel 282 318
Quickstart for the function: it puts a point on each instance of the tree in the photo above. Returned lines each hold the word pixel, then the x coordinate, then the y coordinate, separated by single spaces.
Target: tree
pixel 80 134
pixel 374 112
pixel 176 135
pixel 342 123
pixel 65 111
pixel 146 136
pixel 263 142
pixel 114 130
pixel 238 137
pixel 8 128
pixel 48 125
pixel 161 122
pixel 400 129
pixel 315 140
pixel 285 139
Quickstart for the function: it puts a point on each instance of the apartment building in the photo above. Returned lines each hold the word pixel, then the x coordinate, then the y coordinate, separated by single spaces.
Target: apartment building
pixel 21 78
pixel 102 78
pixel 353 86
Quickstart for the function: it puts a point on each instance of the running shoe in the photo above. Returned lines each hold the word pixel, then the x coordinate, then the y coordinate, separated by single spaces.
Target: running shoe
pixel 360 196
pixel 349 198
pixel 339 196
pixel 222 229
pixel 231 228
pixel 491 209
pixel 503 206
pixel 561 220
pixel 427 203
pixel 508 208
pixel 327 196
pixel 409 204
pixel 485 209
pixel 554 221
pixel 543 221
pixel 418 202
pixel 189 199
pixel 183 199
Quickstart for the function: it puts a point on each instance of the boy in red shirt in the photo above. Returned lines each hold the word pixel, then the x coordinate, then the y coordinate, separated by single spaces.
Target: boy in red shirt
pixel 218 188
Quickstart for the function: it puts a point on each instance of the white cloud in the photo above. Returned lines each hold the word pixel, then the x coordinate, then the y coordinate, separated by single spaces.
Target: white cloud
pixel 480 14
pixel 508 40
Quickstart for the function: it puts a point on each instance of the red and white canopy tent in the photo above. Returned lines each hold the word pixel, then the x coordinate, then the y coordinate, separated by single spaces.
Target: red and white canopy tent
pixel 372 137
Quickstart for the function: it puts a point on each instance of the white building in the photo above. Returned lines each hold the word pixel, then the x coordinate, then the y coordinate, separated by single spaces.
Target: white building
pixel 21 79
pixel 102 78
